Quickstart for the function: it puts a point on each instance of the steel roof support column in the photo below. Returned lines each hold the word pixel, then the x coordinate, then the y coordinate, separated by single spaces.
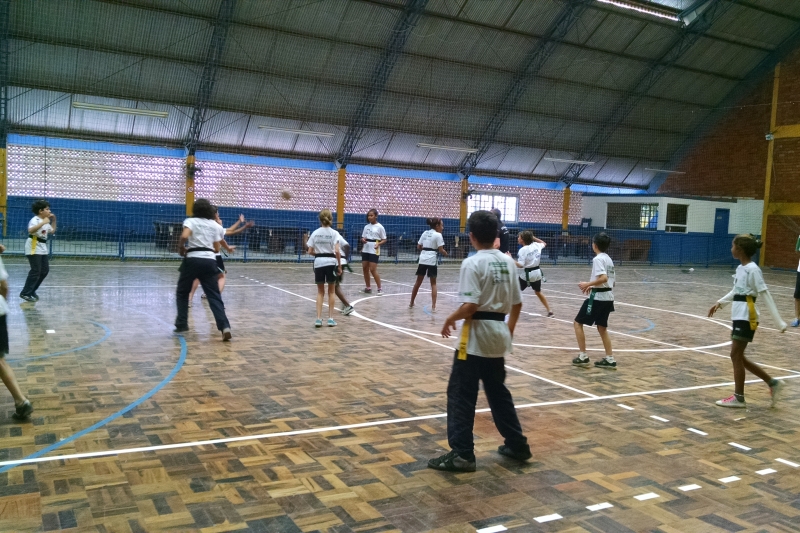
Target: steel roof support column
pixel 394 48
pixel 205 92
pixel 686 37
pixel 4 29
pixel 530 67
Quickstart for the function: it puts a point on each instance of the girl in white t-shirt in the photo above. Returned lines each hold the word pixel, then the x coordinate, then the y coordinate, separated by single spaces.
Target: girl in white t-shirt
pixel 323 244
pixel 528 259
pixel 373 237
pixel 748 284
pixel 430 244
pixel 796 321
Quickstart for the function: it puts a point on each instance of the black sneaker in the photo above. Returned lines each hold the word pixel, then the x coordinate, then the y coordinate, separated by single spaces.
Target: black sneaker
pixel 27 298
pixel 23 411
pixel 581 362
pixel 35 297
pixel 180 329
pixel 452 462
pixel 605 363
pixel 226 334
pixel 522 454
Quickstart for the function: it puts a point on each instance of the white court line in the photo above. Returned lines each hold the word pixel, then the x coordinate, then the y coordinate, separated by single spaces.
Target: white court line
pixel 628 407
pixel 659 418
pixel 729 479
pixel 686 488
pixel 327 429
pixel 548 518
pixel 648 496
pixel 599 506
pixel 697 431
pixel 740 446
pixel 493 529
pixel 766 471
pixel 784 461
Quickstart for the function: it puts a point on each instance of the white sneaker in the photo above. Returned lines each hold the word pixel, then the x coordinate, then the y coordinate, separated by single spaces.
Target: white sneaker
pixel 731 401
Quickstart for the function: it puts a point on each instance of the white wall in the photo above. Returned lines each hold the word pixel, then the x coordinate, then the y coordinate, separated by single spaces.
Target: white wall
pixel 745 215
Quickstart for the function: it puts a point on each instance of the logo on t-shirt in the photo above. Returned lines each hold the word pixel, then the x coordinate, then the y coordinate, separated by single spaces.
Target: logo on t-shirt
pixel 499 271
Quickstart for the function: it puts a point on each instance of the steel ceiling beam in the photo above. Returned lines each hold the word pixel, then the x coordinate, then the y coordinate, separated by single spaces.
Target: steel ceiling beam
pixel 403 27
pixel 209 75
pixel 685 38
pixel 530 67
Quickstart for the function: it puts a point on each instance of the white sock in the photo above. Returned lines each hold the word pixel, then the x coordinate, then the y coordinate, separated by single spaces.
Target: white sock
pixel 582 355
pixel 610 358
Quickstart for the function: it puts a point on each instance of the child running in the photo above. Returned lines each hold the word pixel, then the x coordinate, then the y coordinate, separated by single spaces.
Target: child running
pixel 344 251
pixel 373 237
pixel 323 244
pixel 22 406
pixel 202 235
pixel 39 227
pixel 238 227
pixel 488 292
pixel 430 243
pixel 748 284
pixel 599 305
pixel 796 321
pixel 528 259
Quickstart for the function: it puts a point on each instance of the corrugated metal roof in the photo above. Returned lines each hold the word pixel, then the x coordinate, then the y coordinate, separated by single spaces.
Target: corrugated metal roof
pixel 308 65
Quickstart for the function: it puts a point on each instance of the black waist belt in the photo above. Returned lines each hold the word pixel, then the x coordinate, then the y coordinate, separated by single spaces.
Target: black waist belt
pixel 371 240
pixel 486 315
pixel 531 269
pixel 742 298
pixel 591 298
pixel 325 255
pixel 38 239
pixel 200 250
pixel 430 250
pixel 604 289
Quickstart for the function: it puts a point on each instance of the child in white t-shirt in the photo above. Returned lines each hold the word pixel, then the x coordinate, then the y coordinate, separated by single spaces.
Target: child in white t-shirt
pixel 22 406
pixel 748 285
pixel 430 244
pixel 40 228
pixel 344 250
pixel 796 321
pixel 373 237
pixel 599 305
pixel 323 244
pixel 528 259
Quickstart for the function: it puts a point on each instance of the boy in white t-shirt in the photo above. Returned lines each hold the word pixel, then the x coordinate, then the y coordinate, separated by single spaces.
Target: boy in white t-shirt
pixel 39 228
pixel 344 251
pixel 528 259
pixel 487 292
pixel 599 305
pixel 22 406
pixel 796 321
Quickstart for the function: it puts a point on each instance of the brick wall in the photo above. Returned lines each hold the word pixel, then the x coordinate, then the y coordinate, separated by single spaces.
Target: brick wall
pixel 731 160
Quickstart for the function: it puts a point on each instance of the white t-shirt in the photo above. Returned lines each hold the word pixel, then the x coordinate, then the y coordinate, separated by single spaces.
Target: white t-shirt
pixel 430 239
pixel 372 231
pixel 4 310
pixel 529 257
pixel 602 264
pixel 34 244
pixel 342 244
pixel 487 279
pixel 748 280
pixel 798 267
pixel 205 233
pixel 323 241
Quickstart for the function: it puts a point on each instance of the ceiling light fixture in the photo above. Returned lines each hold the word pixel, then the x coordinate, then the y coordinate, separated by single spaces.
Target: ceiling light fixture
pixel 297 132
pixel 641 7
pixel 118 109
pixel 449 148
pixel 665 171
pixel 575 161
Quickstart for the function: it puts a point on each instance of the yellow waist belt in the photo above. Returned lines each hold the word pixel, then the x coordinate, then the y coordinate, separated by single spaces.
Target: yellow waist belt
pixel 752 315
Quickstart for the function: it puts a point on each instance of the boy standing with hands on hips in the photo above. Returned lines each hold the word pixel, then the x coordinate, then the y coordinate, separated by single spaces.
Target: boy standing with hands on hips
pixel 488 291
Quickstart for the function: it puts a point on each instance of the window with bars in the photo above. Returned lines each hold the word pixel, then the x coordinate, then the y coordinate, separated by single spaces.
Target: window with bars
pixel 632 216
pixel 483 201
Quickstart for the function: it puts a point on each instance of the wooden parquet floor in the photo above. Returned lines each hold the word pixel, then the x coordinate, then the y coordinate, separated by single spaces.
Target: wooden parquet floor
pixel 289 428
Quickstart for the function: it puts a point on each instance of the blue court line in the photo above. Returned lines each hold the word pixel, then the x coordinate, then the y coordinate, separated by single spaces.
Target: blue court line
pixel 651 327
pixel 425 308
pixel 113 417
pixel 85 346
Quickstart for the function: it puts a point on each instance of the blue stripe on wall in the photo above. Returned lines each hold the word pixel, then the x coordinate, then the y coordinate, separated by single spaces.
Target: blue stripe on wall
pixel 94 146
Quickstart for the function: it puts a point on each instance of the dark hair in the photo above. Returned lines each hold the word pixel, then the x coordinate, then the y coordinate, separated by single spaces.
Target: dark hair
pixel 748 243
pixel 203 209
pixel 38 205
pixel 373 210
pixel 433 222
pixel 526 236
pixel 497 213
pixel 602 241
pixel 483 226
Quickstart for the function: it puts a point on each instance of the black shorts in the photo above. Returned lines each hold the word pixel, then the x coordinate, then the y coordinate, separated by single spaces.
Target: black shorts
pixel 3 337
pixel 431 270
pixel 797 287
pixel 369 258
pixel 742 332
pixel 599 316
pixel 221 265
pixel 326 274
pixel 535 285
